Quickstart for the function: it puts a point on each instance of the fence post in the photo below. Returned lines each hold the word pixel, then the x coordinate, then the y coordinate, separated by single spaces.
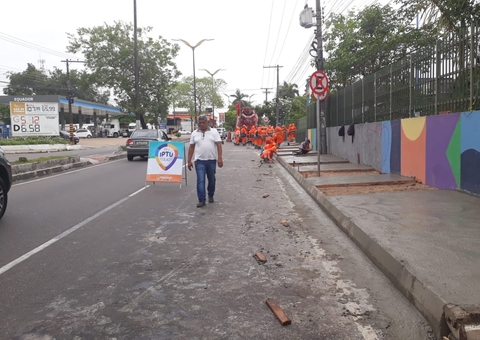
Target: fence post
pixel 472 48
pixel 353 101
pixel 338 95
pixel 391 90
pixel 412 71
pixel 437 74
pixel 363 100
pixel 375 96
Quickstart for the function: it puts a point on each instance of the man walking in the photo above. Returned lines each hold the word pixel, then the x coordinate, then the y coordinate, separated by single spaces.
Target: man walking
pixel 206 149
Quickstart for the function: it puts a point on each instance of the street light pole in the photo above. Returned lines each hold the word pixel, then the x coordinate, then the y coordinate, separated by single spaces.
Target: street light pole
pixel 135 56
pixel 213 88
pixel 194 81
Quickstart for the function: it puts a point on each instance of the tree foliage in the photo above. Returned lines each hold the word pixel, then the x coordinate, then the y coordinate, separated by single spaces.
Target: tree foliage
pixel 239 98
pixel 446 15
pixel 361 43
pixel 33 81
pixel 109 57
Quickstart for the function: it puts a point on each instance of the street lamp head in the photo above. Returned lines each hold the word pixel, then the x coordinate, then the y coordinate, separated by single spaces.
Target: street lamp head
pixel 189 45
pixel 214 73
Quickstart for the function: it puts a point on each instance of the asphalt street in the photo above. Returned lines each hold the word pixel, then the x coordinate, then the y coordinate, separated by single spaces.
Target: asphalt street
pixel 94 254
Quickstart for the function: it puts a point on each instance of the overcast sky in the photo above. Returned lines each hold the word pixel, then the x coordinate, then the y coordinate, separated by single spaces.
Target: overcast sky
pixel 248 35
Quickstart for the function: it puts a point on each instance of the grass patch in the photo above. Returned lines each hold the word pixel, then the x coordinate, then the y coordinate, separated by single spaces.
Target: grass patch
pixel 33 140
pixel 24 160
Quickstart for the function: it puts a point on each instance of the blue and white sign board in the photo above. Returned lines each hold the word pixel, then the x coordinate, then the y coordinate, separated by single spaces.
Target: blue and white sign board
pixel 165 161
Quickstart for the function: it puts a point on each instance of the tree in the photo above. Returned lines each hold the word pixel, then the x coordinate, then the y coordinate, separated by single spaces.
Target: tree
pixel 5 114
pixel 360 44
pixel 81 85
pixel 239 98
pixel 30 82
pixel 109 56
pixel 447 15
pixel 288 90
pixel 33 81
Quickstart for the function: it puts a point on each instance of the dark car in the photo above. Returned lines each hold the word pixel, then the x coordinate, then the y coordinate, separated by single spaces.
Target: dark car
pixel 66 135
pixel 139 141
pixel 5 182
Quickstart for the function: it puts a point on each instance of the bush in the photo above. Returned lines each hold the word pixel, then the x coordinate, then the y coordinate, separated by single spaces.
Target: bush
pixel 33 140
pixel 178 134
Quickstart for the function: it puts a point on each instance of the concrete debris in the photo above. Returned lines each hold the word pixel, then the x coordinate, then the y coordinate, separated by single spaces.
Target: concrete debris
pixel 278 311
pixel 260 257
pixel 285 223
pixel 463 321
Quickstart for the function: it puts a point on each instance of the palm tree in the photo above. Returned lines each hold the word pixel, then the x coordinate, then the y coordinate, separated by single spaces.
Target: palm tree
pixel 239 98
pixel 288 90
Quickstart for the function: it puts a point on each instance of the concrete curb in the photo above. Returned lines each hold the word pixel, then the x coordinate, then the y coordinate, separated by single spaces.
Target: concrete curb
pixel 424 298
pixel 38 169
pixel 12 149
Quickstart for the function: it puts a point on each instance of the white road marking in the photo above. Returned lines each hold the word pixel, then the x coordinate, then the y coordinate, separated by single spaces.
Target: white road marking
pixel 66 233
pixel 66 173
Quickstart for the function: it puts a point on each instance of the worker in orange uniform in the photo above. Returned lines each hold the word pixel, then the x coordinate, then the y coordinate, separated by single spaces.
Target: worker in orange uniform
pixel 278 136
pixel 262 132
pixel 243 135
pixel 285 132
pixel 270 130
pixel 236 134
pixel 292 132
pixel 269 149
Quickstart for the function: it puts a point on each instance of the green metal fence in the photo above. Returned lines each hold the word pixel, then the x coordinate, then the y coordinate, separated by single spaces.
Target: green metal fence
pixel 444 77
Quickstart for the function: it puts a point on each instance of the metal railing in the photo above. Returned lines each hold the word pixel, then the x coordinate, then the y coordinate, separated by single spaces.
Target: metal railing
pixel 443 77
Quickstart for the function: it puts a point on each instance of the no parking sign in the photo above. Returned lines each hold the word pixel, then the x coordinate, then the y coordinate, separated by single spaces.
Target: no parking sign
pixel 319 83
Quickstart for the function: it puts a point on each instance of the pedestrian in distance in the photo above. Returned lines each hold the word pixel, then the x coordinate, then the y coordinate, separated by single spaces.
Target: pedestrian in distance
pixel 304 148
pixel 206 151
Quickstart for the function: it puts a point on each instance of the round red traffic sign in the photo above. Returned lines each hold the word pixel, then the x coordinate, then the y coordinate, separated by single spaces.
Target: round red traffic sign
pixel 319 82
pixel 321 97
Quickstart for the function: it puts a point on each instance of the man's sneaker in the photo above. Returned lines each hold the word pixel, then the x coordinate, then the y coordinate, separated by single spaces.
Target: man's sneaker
pixel 210 199
pixel 201 204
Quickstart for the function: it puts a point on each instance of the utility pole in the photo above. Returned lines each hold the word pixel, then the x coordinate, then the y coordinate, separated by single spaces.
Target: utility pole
pixel 320 104
pixel 70 96
pixel 278 90
pixel 267 92
pixel 135 53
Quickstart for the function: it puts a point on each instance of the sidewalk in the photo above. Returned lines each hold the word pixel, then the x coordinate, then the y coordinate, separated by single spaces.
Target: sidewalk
pixel 427 242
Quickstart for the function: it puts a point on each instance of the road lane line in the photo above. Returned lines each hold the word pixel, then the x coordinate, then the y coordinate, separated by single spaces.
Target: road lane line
pixel 66 233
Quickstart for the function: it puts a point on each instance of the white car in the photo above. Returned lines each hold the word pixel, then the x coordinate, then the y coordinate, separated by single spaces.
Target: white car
pixel 83 133
pixel 184 132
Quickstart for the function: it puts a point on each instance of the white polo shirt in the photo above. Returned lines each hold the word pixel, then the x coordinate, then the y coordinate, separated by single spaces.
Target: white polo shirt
pixel 205 144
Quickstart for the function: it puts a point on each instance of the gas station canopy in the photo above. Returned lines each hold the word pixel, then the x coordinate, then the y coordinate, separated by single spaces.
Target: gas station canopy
pixel 84 107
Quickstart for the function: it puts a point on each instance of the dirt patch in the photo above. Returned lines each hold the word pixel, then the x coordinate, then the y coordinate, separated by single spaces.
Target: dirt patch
pixel 307 174
pixel 373 189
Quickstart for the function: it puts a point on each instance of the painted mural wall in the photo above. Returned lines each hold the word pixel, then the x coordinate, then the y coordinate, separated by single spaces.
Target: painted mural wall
pixel 442 151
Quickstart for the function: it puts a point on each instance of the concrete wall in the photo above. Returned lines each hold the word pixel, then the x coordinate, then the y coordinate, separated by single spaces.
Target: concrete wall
pixel 442 151
pixel 365 147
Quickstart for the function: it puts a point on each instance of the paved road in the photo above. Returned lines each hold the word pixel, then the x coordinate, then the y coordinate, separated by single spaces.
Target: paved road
pixel 93 254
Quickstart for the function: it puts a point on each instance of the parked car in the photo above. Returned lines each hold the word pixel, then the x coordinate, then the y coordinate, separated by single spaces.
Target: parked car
pixel 139 141
pixel 83 133
pixel 5 182
pixel 184 132
pixel 66 135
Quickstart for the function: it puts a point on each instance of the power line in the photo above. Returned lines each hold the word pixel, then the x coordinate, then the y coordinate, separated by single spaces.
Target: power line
pixel 24 43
